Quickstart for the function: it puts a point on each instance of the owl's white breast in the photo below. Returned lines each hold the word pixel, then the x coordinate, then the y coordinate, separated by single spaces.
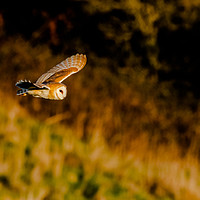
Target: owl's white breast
pixel 39 93
pixel 56 91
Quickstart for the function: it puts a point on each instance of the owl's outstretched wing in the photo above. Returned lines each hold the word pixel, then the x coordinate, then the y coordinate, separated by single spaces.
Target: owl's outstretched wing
pixel 63 70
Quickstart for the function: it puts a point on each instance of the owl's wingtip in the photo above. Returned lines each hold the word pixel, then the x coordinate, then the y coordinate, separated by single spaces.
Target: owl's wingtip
pixel 81 54
pixel 18 82
pixel 22 81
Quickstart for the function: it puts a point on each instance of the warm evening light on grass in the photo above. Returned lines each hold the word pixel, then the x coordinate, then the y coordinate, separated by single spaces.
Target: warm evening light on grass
pixel 129 127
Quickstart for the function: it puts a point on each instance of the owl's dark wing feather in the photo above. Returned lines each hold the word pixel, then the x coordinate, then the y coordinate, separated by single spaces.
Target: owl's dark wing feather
pixel 25 86
pixel 63 70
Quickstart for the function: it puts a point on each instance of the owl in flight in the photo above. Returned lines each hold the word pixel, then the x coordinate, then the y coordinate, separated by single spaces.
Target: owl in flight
pixel 49 84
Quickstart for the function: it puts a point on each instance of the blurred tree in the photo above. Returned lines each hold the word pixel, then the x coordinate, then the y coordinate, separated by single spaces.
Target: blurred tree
pixel 138 52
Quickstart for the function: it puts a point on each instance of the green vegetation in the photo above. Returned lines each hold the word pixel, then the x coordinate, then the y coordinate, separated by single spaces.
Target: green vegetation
pixel 41 161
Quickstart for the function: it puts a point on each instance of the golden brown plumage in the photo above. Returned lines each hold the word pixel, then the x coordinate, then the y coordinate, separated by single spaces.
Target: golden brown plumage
pixel 49 84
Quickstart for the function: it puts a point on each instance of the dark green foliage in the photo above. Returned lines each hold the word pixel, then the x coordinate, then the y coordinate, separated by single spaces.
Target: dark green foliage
pixel 90 189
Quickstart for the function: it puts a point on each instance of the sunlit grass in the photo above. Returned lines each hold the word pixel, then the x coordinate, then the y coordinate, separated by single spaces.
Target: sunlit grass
pixel 41 161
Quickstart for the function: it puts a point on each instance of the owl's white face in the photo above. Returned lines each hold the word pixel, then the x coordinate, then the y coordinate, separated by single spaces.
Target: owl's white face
pixel 60 93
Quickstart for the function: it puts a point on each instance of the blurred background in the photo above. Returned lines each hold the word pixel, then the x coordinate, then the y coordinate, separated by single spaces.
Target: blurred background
pixel 130 125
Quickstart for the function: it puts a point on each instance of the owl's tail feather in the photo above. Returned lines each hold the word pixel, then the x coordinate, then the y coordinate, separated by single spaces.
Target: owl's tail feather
pixel 25 86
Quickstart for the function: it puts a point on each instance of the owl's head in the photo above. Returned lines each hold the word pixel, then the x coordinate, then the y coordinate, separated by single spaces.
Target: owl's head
pixel 60 92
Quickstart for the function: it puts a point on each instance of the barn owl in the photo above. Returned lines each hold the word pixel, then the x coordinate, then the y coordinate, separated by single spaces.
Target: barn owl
pixel 49 85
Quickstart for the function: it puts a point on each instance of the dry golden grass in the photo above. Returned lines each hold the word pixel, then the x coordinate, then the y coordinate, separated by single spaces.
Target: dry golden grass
pixel 41 161
pixel 120 134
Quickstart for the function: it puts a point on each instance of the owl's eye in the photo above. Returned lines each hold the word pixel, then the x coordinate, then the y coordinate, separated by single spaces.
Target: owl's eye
pixel 61 91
